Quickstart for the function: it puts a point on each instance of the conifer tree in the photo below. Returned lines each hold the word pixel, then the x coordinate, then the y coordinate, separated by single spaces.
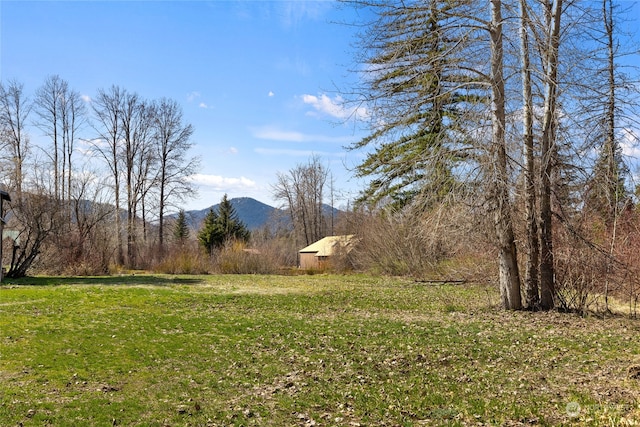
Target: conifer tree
pixel 210 234
pixel 416 88
pixel 181 230
pixel 229 223
pixel 220 226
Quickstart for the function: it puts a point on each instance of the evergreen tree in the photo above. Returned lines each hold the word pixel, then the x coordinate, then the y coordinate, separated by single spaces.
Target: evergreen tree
pixel 606 190
pixel 229 223
pixel 210 235
pixel 607 193
pixel 417 91
pixel 221 226
pixel 181 230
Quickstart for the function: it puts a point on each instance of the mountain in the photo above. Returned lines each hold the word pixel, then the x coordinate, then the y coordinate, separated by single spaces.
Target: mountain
pixel 252 213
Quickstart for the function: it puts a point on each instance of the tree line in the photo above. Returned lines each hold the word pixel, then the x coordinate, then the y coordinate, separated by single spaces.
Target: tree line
pixel 518 109
pixel 105 169
pixel 511 115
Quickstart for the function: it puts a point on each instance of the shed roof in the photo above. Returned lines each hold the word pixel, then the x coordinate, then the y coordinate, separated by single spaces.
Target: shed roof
pixel 13 234
pixel 327 245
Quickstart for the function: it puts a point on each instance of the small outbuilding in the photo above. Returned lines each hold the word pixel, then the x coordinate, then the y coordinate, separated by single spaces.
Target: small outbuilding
pixel 318 254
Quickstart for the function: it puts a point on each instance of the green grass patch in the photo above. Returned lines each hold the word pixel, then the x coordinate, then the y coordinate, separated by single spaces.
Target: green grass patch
pixel 302 350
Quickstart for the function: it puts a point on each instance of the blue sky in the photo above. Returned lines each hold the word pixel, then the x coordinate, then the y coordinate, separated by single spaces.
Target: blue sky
pixel 257 79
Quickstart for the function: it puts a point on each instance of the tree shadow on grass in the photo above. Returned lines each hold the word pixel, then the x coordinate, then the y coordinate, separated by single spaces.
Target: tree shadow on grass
pixel 120 280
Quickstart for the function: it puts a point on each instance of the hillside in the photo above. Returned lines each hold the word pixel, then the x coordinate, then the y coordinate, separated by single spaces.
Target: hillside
pixel 253 213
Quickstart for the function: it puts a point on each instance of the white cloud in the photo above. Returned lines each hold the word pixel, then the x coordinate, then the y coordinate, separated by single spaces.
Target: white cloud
pixel 192 96
pixel 630 143
pixel 203 105
pixel 297 65
pixel 88 146
pixel 86 98
pixel 275 134
pixel 232 150
pixel 221 183
pixel 335 107
pixel 271 94
pixel 296 13
pixel 288 152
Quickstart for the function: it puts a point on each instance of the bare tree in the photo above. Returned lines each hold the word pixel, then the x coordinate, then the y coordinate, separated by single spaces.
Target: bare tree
pixel 48 109
pixel 172 143
pixel 73 117
pixel 508 260
pixel 549 152
pixel 35 216
pixel 108 108
pixel 612 100
pixel 14 111
pixel 35 213
pixel 136 156
pixel 61 113
pixel 531 281
pixel 91 243
pixel 302 192
pixel 145 146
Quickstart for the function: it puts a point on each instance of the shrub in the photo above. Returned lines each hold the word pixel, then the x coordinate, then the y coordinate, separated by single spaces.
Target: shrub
pixel 595 262
pixel 236 258
pixel 435 244
pixel 184 259
pixel 69 254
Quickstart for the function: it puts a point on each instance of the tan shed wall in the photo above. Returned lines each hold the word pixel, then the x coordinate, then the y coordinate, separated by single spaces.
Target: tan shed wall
pixel 308 260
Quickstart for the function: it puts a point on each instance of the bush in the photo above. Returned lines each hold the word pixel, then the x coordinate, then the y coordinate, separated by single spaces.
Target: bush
pixel 235 258
pixel 438 244
pixel 184 259
pixel 596 264
pixel 580 273
pixel 69 254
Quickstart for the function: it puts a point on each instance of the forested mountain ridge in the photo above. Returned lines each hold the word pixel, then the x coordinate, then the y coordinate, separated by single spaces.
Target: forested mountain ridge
pixel 253 213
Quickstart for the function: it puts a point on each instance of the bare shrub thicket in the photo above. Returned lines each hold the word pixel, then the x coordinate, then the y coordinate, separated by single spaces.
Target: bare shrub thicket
pixel 597 265
pixel 266 257
pixel 439 244
pixel 580 272
pixel 77 255
pixel 626 250
pixel 279 242
pixel 343 259
pixel 185 258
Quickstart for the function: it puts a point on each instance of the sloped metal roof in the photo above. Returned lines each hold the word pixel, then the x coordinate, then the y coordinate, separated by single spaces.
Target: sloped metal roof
pixel 12 234
pixel 328 245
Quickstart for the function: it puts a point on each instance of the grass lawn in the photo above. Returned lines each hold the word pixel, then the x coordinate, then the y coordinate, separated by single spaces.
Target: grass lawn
pixel 303 351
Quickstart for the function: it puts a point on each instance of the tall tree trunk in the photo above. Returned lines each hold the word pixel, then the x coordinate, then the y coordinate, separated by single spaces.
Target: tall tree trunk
pixel 161 211
pixel 549 154
pixel 613 177
pixel 131 256
pixel 120 249
pixel 108 108
pixel 56 172
pixel 613 171
pixel 508 262
pixel 531 282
